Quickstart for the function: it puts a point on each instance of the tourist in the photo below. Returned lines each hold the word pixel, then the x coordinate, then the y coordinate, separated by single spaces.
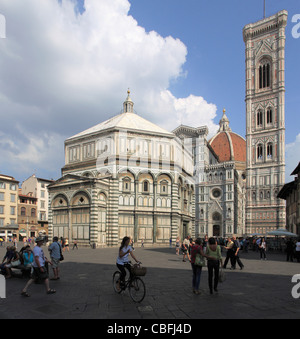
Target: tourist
pixel 263 249
pixel 131 242
pixel 185 248
pixel 205 243
pixel 197 269
pixel 214 259
pixel 236 249
pixel 55 255
pixel 39 269
pixel 66 245
pixel 230 253
pixel 13 260
pixel 290 247
pixel 75 244
pixel 122 261
pixel 27 256
pixel 245 245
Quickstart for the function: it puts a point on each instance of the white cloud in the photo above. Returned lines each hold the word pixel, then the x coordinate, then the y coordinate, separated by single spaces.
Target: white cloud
pixel 292 157
pixel 191 111
pixel 62 72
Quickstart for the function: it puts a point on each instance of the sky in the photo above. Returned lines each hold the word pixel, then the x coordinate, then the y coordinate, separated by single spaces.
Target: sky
pixel 66 65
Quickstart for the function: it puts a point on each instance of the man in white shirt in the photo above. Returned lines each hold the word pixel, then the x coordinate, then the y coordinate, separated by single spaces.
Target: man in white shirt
pixel 39 269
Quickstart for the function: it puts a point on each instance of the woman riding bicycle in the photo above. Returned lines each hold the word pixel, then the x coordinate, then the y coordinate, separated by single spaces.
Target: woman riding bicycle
pixel 122 260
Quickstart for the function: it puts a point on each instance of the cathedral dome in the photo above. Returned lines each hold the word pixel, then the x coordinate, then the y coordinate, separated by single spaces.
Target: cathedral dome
pixel 125 121
pixel 228 145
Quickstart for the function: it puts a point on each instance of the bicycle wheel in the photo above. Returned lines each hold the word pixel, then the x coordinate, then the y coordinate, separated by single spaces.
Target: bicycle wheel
pixel 116 282
pixel 137 290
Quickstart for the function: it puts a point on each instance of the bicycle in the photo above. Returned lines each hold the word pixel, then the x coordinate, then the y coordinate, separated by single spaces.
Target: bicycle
pixel 135 285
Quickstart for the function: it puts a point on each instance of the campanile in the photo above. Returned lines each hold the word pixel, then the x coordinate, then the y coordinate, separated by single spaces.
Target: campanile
pixel 265 122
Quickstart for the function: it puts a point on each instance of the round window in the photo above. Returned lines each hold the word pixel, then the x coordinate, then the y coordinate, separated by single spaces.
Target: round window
pixel 216 193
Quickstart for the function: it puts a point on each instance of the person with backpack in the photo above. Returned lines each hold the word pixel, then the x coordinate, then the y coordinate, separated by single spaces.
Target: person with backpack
pixel 214 259
pixel 236 249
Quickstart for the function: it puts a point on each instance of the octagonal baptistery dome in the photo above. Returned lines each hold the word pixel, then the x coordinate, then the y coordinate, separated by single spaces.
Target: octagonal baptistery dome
pixel 228 145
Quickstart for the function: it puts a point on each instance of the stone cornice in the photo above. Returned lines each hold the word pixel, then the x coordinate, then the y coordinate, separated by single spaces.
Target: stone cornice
pixel 190 131
pixel 265 26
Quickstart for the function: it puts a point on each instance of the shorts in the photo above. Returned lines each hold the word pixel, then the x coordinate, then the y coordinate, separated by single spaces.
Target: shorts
pixel 55 262
pixel 37 274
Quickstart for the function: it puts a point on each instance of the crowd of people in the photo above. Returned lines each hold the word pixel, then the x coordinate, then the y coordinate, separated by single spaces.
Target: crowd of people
pixel 209 250
pixel 35 262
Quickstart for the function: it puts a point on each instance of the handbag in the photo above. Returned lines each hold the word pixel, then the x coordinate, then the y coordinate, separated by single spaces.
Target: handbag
pixel 199 260
pixel 15 263
pixel 222 276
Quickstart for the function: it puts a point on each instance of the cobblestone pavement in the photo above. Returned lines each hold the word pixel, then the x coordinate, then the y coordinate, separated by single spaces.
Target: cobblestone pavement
pixel 261 290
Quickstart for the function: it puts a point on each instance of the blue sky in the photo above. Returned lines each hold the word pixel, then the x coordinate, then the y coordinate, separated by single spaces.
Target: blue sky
pixel 215 66
pixel 64 70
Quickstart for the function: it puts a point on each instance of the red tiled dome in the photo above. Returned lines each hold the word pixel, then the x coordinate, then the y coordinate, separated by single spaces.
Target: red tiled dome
pixel 229 146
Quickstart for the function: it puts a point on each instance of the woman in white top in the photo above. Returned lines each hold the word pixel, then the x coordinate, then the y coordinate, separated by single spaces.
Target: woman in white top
pixel 122 260
pixel 263 249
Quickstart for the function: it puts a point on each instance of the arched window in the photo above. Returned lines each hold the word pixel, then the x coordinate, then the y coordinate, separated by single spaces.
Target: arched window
pixel 269 151
pixel 269 116
pixel 164 187
pixel 126 184
pixel 146 186
pixel 264 75
pixel 33 212
pixel 259 119
pixel 259 152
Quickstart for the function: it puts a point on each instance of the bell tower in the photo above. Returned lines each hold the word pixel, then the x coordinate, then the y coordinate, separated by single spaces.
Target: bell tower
pixel 265 122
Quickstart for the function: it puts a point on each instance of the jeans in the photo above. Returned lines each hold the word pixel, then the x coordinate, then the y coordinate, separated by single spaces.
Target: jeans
pixel 123 271
pixel 262 253
pixel 196 276
pixel 213 265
